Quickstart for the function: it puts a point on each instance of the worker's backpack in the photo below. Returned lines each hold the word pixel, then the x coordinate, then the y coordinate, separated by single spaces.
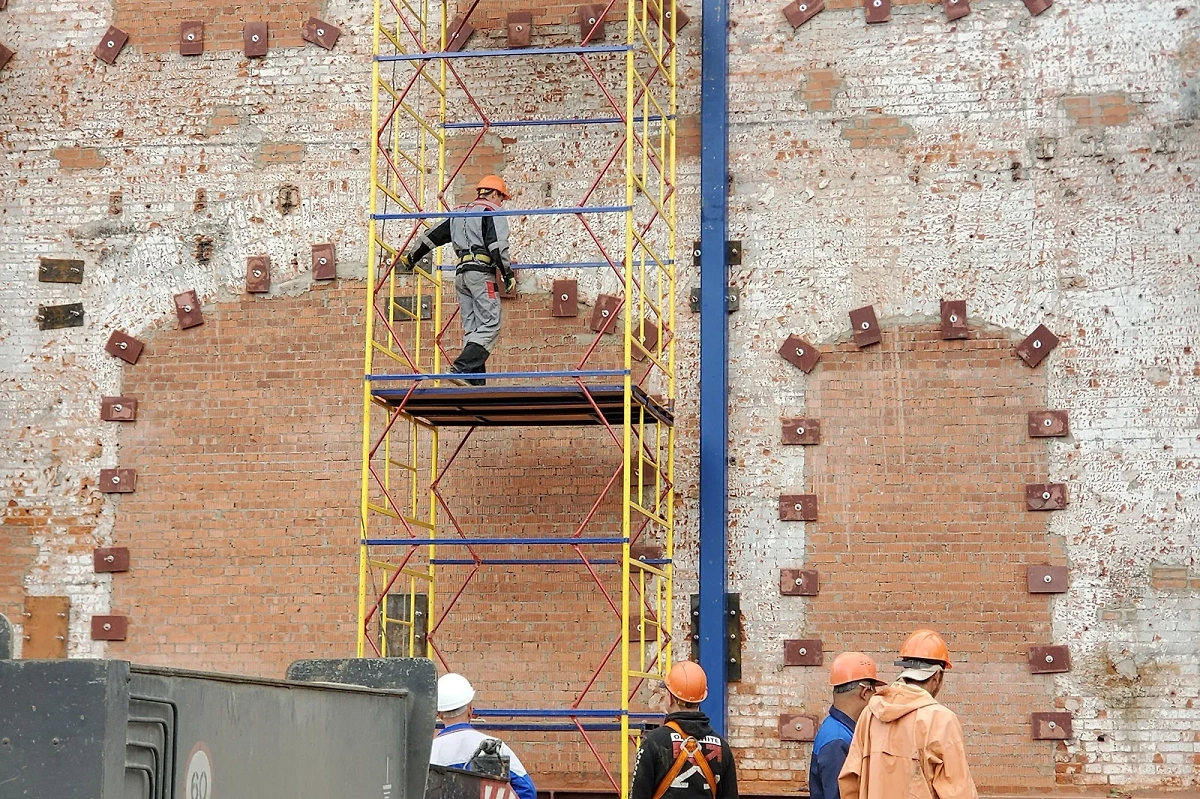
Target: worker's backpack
pixel 691 750
pixel 489 759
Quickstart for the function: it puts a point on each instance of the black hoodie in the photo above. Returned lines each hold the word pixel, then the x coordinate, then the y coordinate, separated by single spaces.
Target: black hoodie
pixel 661 746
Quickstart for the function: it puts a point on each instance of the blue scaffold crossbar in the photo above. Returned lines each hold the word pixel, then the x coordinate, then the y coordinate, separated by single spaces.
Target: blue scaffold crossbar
pixel 527 51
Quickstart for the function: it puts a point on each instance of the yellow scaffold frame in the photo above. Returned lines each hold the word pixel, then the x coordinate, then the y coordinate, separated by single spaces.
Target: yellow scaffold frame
pixel 413 80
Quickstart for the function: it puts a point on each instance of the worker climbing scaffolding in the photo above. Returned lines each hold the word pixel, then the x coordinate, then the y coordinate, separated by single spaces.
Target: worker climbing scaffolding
pixel 481 245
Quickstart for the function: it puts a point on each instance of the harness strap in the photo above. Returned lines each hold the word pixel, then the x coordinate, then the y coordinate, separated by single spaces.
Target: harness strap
pixel 689 750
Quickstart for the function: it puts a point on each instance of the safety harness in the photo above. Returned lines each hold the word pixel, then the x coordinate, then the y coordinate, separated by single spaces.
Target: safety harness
pixel 473 260
pixel 689 750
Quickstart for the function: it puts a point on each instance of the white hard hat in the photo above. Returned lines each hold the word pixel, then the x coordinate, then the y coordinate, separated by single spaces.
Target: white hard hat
pixel 453 692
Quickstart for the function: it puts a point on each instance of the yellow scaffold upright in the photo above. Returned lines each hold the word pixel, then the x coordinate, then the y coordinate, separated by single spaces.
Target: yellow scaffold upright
pixel 418 95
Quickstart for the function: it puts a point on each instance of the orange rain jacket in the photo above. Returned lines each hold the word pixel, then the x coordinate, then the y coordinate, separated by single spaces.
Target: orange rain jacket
pixel 906 746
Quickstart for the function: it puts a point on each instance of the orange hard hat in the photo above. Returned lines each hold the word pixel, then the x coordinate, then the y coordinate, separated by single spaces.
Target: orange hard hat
pixel 853 667
pixel 496 184
pixel 687 682
pixel 925 645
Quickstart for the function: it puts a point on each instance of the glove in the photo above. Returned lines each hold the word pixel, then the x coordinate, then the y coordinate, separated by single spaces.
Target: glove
pixel 404 263
pixel 510 283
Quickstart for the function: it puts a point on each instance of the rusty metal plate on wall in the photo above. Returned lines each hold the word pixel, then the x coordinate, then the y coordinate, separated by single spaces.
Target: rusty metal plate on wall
pixel 566 298
pixel 519 25
pixel 1051 726
pixel 1038 6
pixel 797 727
pixel 1044 424
pixel 56 317
pixel 118 481
pixel 258 274
pixel 320 33
pixel 1049 659
pixel 6 55
pixel 956 9
pixel 191 37
pixel 1046 579
pixel 591 17
pixel 647 338
pixel 1046 496
pixel 60 270
pixel 1037 345
pixel 457 33
pixel 954 319
pixel 106 560
pixel 110 45
pixel 800 11
pixel 324 261
pixel 681 19
pixel 801 432
pixel 124 346
pixel 604 314
pixel 118 409
pixel 798 508
pixel 802 652
pixel 187 308
pixel 404 308
pixel 865 326
pixel 109 628
pixel 878 10
pixel 255 39
pixel 47 619
pixel 799 582
pixel 800 353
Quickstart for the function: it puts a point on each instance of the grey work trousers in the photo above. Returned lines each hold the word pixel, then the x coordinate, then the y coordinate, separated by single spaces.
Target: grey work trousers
pixel 479 306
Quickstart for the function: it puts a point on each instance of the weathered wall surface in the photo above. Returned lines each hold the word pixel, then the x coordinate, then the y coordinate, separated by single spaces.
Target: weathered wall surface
pixel 1041 168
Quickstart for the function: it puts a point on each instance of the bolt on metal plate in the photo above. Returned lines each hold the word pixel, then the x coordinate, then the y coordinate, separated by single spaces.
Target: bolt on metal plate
pixel 320 33
pixel 798 508
pixel 258 274
pixel 1048 424
pixel 645 340
pixel 1037 345
pixel 604 313
pixel 797 727
pixel 565 300
pixel 591 24
pixel 802 652
pixel 799 582
pixel 56 317
pixel 956 9
pixel 187 308
pixel 457 33
pixel 878 10
pixel 954 319
pixel 865 326
pixel 801 432
pixel 800 353
pixel 1051 726
pixel 118 481
pixel 681 19
pixel 110 560
pixel 519 28
pixel 1046 579
pixel 191 37
pixel 1049 659
pixel 110 45
pixel 799 12
pixel 255 39
pixel 59 270
pixel 109 628
pixel 324 261
pixel 1046 496
pixel 118 409
pixel 124 346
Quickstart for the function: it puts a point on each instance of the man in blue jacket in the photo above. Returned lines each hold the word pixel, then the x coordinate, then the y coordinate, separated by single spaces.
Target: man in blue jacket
pixel 854 679
pixel 458 741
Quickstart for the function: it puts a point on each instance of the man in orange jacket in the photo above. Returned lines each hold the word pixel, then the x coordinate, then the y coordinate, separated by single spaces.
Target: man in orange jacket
pixel 906 745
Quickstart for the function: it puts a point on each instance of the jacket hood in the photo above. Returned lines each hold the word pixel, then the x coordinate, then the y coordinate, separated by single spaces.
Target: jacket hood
pixel 898 699
pixel 693 722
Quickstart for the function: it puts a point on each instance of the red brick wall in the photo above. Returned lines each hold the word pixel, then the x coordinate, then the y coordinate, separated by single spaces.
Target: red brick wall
pixel 920 475
pixel 154 27
pixel 243 531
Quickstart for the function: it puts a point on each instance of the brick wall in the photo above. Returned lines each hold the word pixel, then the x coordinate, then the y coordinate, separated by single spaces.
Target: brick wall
pixel 1041 168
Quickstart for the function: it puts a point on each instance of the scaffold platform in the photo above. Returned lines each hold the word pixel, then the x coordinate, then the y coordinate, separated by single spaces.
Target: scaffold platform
pixel 522 406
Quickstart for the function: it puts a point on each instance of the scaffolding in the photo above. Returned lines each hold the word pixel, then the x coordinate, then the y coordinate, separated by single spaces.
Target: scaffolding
pixel 416 424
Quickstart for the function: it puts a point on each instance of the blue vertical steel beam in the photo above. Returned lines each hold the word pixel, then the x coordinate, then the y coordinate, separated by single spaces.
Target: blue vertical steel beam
pixel 714 346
